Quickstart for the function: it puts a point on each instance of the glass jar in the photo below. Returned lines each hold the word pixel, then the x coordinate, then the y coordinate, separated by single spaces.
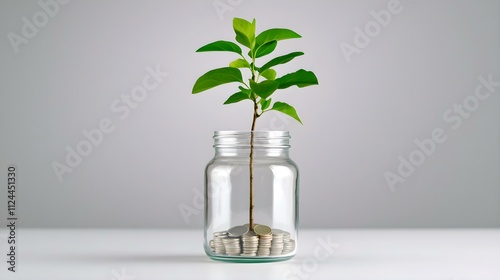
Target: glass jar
pixel 251 198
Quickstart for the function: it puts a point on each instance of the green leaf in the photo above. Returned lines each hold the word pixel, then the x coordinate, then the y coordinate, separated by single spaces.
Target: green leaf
pixel 265 88
pixel 220 46
pixel 239 63
pixel 265 103
pixel 266 49
pixel 237 97
pixel 275 34
pixel 245 32
pixel 301 78
pixel 281 60
pixel 269 74
pixel 286 109
pixel 217 77
pixel 245 90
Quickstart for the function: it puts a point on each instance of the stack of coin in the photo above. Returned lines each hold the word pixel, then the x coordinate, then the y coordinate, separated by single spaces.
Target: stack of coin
pixel 288 247
pixel 232 245
pixel 288 244
pixel 265 239
pixel 250 244
pixel 212 245
pixel 218 244
pixel 264 245
pixel 286 236
pixel 259 242
pixel 277 243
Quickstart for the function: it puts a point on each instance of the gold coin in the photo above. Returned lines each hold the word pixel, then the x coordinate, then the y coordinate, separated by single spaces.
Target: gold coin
pixel 262 230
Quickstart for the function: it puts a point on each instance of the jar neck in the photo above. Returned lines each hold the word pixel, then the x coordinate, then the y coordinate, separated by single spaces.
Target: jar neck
pixel 238 143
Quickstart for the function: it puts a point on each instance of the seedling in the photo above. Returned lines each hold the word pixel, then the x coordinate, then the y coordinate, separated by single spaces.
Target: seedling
pixel 263 81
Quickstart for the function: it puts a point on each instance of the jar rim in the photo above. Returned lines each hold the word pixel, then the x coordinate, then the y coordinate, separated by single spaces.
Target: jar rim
pixel 271 133
pixel 241 139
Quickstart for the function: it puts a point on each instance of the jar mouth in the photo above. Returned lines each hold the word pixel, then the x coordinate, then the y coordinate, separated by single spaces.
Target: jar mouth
pixel 241 139
pixel 260 133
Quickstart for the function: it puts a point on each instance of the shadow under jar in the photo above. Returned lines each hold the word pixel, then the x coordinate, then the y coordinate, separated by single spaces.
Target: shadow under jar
pixel 233 231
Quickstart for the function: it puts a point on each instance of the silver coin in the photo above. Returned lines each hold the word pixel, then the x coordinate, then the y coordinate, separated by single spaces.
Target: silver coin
pixel 231 239
pixel 237 231
pixel 220 233
pixel 286 236
pixel 250 236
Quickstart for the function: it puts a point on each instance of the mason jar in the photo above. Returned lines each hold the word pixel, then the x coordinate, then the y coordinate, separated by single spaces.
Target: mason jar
pixel 251 198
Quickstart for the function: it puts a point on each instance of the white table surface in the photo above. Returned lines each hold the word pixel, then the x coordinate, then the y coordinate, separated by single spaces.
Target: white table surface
pixel 118 254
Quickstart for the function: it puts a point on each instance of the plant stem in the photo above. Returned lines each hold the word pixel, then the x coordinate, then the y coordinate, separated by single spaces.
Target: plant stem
pixel 254 119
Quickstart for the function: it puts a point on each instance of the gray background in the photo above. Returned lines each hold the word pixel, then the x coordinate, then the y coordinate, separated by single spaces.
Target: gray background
pixel 364 114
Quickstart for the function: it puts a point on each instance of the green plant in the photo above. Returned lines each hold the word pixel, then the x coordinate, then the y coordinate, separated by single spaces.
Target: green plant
pixel 263 82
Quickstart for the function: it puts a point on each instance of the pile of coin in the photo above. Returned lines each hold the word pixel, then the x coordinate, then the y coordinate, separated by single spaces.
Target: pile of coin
pixel 250 244
pixel 217 244
pixel 288 247
pixel 277 244
pixel 261 241
pixel 232 245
